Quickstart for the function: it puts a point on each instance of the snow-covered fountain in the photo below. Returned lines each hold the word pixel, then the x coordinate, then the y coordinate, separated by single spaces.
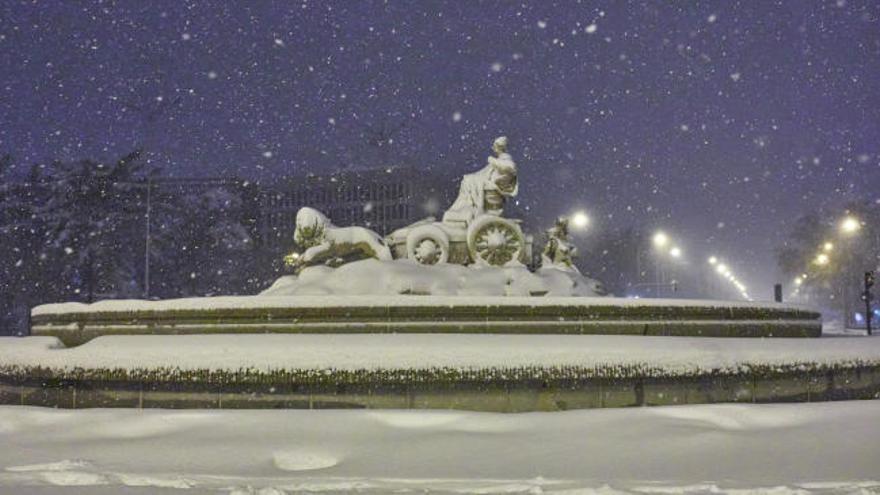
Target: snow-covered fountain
pixel 469 272
pixel 449 313
pixel 473 251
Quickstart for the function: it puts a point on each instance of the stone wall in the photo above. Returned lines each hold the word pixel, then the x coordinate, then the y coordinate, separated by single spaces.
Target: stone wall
pixel 655 319
pixel 497 395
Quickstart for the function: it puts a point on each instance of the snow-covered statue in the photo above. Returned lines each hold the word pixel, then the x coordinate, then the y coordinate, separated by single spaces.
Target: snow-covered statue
pixel 473 230
pixel 559 252
pixel 325 243
pixel 485 191
pixel 474 250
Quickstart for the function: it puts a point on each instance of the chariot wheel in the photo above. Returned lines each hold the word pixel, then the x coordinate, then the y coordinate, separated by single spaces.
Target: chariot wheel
pixel 494 240
pixel 428 245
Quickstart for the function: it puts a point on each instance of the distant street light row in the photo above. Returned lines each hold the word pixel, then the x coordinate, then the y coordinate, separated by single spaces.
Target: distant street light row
pixel 665 245
pixel 724 271
pixel 848 226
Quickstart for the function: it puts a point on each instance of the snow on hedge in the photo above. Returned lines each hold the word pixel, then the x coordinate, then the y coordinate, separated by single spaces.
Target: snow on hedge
pixel 430 352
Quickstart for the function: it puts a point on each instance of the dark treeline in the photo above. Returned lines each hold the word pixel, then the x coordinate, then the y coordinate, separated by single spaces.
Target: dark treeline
pixel 78 231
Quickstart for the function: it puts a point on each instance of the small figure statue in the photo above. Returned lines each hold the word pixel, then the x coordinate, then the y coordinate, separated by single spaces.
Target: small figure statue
pixel 559 252
pixel 486 190
pixel 325 243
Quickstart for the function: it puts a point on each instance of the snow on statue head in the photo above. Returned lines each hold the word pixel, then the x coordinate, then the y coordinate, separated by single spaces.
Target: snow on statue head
pixel 499 146
pixel 310 227
pixel 325 243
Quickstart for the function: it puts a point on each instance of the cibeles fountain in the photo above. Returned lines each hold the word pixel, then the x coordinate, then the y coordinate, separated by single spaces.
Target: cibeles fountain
pixel 449 313
pixel 473 251
pixel 469 272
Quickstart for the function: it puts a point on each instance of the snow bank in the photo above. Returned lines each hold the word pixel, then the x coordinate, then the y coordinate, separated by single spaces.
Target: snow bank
pixel 672 356
pixel 783 449
pixel 375 277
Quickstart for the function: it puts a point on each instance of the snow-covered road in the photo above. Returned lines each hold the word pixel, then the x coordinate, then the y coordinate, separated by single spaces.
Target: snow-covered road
pixel 791 448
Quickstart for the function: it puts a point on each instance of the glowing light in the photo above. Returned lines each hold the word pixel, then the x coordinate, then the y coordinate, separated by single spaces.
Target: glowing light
pixel 850 225
pixel 660 239
pixel 580 220
pixel 827 247
pixel 675 252
pixel 822 259
pixel 722 268
pixel 713 260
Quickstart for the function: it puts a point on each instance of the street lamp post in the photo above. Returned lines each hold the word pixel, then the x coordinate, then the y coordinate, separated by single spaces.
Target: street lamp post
pixel 868 297
pixel 849 226
pixel 660 241
pixel 148 239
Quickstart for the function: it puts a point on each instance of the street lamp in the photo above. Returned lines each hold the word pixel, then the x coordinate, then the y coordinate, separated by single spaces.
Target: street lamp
pixel 822 259
pixel 713 260
pixel 660 239
pixel 850 225
pixel 675 252
pixel 827 247
pixel 580 220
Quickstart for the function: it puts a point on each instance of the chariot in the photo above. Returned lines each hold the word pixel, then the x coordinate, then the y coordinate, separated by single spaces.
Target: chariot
pixel 487 239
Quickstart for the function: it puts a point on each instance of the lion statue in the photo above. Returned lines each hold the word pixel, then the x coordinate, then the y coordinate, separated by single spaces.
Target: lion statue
pixel 325 243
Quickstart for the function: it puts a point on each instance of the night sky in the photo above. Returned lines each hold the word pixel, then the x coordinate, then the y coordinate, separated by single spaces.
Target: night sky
pixel 719 122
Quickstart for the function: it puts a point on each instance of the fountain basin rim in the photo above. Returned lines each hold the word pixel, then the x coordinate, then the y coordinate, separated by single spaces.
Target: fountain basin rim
pixel 403 301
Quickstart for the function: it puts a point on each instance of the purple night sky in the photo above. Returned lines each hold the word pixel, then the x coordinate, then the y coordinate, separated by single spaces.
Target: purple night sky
pixel 720 122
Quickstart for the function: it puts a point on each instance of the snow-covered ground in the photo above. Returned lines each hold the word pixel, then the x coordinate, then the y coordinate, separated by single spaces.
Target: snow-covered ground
pixel 673 355
pixel 775 449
